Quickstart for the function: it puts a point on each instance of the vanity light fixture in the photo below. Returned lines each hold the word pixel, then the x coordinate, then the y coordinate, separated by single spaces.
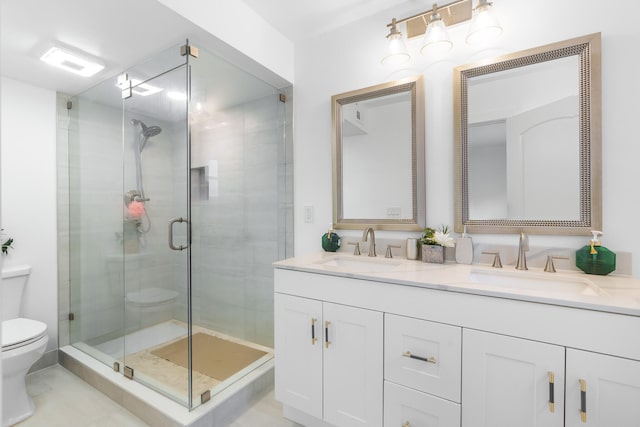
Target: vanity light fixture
pixel 436 37
pixel 484 25
pixel 432 25
pixel 72 62
pixel 396 48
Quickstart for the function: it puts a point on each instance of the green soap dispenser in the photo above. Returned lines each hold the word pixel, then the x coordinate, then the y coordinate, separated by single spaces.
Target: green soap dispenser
pixel 595 258
pixel 330 240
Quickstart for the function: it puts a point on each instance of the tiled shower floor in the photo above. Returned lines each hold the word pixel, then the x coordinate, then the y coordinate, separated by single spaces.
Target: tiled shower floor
pixel 162 374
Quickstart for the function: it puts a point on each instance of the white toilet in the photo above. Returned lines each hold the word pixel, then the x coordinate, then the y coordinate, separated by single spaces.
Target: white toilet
pixel 23 343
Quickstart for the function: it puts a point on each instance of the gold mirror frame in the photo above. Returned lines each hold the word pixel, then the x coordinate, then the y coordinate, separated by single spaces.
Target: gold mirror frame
pixel 588 50
pixel 415 86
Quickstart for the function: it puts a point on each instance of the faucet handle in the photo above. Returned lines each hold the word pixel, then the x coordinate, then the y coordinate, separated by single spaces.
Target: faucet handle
pixel 497 263
pixel 388 254
pixel 356 250
pixel 549 267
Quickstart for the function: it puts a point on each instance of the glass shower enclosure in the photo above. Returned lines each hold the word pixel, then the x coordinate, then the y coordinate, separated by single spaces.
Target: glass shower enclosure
pixel 179 201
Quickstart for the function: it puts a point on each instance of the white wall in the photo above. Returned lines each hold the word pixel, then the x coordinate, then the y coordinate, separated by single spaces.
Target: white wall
pixel 28 152
pixel 349 59
pixel 238 26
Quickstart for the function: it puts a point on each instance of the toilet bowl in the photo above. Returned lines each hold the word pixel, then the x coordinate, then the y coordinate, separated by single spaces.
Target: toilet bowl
pixel 23 343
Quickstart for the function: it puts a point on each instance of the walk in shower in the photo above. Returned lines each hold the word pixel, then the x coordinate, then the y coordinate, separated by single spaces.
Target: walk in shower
pixel 179 201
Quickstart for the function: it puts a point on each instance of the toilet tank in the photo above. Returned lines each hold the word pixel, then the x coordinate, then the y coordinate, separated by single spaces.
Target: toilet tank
pixel 14 280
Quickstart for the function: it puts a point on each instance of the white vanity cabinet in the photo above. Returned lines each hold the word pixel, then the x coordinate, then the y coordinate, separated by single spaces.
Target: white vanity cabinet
pixel 479 360
pixel 510 382
pixel 422 362
pixel 406 407
pixel 329 360
pixel 601 390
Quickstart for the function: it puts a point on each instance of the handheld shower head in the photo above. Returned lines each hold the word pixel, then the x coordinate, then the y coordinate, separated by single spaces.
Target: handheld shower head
pixel 135 122
pixel 146 131
pixel 151 131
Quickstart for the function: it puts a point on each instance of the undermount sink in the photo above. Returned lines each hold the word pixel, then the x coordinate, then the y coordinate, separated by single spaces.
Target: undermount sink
pixel 535 281
pixel 348 263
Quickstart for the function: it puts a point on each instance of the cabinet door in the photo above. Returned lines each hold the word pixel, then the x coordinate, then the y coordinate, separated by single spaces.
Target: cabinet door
pixel 298 357
pixel 407 407
pixel 506 382
pixel 353 366
pixel 605 388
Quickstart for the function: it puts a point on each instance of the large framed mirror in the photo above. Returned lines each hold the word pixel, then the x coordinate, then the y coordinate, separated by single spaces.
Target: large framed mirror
pixel 378 157
pixel 528 141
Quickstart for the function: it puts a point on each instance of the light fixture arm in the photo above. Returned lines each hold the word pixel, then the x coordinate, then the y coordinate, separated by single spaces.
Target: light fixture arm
pixel 394 30
pixel 482 4
pixel 423 15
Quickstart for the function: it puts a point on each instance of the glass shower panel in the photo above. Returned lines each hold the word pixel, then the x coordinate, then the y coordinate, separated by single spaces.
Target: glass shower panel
pixel 237 169
pixel 155 230
pixel 95 223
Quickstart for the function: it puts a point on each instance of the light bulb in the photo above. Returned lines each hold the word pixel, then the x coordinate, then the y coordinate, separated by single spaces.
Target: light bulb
pixel 485 26
pixel 396 49
pixel 436 40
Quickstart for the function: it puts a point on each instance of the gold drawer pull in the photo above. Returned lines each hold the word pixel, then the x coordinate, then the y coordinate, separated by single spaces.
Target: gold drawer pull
pixel 313 331
pixel 583 400
pixel 552 404
pixel 326 334
pixel 406 424
pixel 424 359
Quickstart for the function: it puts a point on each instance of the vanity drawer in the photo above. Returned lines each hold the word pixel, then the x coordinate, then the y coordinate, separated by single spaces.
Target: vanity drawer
pixel 406 407
pixel 423 355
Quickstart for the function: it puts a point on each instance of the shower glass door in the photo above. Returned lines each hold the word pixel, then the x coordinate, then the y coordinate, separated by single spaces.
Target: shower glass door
pixel 156 230
pixel 180 200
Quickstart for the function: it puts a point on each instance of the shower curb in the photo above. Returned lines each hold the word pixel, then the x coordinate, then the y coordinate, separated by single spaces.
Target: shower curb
pixel 159 411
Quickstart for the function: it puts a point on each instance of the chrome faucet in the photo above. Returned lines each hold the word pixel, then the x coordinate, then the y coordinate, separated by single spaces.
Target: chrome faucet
pixel 523 247
pixel 372 243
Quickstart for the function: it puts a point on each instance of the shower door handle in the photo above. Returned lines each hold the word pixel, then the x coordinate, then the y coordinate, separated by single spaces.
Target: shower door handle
pixel 171 245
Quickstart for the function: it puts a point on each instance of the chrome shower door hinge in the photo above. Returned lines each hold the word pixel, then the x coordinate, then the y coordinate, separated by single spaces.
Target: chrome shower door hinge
pixel 205 397
pixel 116 366
pixel 282 97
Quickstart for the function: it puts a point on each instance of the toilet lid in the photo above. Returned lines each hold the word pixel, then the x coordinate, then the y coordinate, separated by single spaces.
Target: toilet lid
pixel 150 296
pixel 19 332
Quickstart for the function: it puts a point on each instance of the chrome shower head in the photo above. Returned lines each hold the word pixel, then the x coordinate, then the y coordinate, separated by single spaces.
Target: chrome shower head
pixel 146 132
pixel 151 131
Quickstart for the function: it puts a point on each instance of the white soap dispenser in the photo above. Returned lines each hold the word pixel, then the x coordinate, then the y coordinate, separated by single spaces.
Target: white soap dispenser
pixel 464 248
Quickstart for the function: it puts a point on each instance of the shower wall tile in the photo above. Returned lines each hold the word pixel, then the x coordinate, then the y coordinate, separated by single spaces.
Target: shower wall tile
pixel 238 231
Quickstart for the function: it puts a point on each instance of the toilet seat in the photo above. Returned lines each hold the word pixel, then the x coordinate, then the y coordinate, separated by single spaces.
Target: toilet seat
pixel 20 332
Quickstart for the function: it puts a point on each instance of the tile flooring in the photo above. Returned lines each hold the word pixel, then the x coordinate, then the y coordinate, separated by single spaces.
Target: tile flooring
pixel 62 399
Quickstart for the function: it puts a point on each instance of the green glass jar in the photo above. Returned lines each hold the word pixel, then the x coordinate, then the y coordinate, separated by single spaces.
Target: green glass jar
pixel 331 241
pixel 595 258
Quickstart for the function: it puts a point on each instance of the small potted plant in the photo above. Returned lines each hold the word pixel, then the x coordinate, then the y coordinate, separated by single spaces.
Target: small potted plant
pixel 6 245
pixel 433 243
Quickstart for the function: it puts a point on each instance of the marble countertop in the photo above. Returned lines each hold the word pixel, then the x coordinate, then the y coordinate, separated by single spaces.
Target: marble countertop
pixel 612 293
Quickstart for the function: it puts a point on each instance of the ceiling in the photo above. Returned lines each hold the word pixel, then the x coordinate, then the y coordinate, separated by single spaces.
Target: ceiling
pixel 122 33
pixel 300 19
